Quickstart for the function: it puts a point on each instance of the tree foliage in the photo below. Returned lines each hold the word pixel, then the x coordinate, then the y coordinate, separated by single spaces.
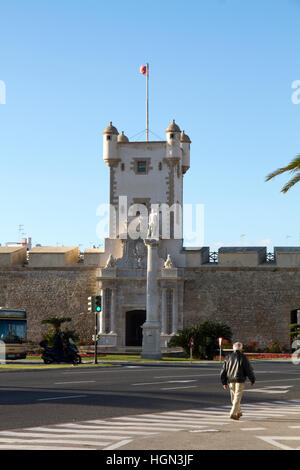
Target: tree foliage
pixel 56 322
pixel 294 331
pixel 50 336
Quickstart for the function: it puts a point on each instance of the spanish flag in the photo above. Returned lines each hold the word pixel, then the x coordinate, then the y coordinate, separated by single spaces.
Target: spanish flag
pixel 144 70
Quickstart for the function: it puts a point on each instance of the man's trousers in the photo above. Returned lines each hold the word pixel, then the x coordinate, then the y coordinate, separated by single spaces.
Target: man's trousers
pixel 236 393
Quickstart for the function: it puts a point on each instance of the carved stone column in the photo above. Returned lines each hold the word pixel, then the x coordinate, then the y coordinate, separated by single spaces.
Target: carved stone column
pixel 175 311
pixel 164 311
pixel 151 328
pixel 113 311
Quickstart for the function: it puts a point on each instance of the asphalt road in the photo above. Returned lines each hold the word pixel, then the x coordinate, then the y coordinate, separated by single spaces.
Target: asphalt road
pixel 48 397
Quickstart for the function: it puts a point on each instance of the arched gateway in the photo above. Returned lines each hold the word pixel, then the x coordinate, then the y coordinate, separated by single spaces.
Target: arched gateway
pixel 134 321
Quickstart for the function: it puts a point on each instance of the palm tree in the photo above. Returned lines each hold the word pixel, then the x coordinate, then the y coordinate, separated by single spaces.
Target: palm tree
pixel 56 322
pixel 294 168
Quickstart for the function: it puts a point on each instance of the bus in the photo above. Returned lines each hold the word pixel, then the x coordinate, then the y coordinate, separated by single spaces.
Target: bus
pixel 13 329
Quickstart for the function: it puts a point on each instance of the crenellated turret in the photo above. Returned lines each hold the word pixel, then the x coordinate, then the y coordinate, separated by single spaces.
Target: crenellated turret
pixel 185 142
pixel 110 144
pixel 173 141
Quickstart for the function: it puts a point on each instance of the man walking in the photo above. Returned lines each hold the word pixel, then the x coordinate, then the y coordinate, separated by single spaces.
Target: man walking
pixel 236 369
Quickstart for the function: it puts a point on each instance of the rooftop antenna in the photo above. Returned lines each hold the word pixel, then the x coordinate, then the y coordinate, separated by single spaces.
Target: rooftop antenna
pixel 20 230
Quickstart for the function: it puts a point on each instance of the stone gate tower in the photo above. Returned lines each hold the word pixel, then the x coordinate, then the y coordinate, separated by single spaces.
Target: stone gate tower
pixel 145 177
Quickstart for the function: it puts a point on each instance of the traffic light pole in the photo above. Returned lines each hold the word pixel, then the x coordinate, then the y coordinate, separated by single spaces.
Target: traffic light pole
pixel 95 343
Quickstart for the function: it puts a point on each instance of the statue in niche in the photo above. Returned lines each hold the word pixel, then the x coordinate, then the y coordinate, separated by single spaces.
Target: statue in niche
pixel 134 254
pixel 140 254
pixel 153 225
pixel 169 263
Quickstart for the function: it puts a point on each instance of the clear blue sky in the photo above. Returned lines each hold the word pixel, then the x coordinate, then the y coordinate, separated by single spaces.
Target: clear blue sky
pixel 222 68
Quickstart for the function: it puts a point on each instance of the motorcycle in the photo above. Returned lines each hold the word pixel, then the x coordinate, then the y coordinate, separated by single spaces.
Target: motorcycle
pixel 68 354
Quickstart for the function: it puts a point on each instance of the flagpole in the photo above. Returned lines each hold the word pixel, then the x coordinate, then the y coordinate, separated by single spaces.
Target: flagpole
pixel 147 104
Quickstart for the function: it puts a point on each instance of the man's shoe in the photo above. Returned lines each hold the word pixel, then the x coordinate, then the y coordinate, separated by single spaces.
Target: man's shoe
pixel 235 417
pixel 240 414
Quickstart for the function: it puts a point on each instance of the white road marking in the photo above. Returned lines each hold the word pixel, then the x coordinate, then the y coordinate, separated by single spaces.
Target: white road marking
pixel 177 416
pixel 200 422
pixel 41 447
pixel 179 388
pixel 181 376
pixel 123 426
pixel 62 398
pixel 101 434
pixel 77 382
pixel 253 429
pixel 91 434
pixel 117 446
pixel 183 424
pixel 56 434
pixel 277 380
pixel 198 413
pixel 160 418
pixel 53 441
pixel 273 440
pixel 272 389
pixel 208 430
pixel 106 426
pixel 165 382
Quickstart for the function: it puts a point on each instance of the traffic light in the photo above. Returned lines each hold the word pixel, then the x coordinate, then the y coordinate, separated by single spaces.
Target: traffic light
pixel 98 303
pixel 90 304
pixel 95 304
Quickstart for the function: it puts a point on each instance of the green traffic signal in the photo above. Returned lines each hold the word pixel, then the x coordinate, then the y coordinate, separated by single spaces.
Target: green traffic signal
pixel 98 303
pixel 95 304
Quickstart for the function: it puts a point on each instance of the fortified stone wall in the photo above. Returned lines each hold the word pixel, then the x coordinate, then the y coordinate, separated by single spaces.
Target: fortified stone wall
pixel 255 302
pixel 50 292
pixel 255 297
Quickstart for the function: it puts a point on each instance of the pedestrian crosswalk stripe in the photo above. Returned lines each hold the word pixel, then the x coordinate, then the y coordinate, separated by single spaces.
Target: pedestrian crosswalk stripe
pixel 207 430
pixel 92 427
pixel 149 421
pixel 252 429
pixel 117 432
pixel 176 420
pixel 117 446
pixel 178 417
pixel 16 435
pixel 90 433
pixel 36 447
pixel 51 441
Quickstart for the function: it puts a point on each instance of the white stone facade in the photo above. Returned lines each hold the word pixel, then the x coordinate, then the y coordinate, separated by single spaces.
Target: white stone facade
pixel 149 174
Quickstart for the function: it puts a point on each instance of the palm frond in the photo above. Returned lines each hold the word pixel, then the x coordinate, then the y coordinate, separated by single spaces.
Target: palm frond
pixel 293 166
pixel 291 183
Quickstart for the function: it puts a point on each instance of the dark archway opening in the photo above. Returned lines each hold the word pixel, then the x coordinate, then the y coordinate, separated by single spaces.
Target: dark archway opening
pixel 134 333
pixel 294 325
pixel 295 316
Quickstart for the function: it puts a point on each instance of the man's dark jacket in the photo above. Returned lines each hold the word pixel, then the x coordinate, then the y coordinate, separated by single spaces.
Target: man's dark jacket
pixel 237 368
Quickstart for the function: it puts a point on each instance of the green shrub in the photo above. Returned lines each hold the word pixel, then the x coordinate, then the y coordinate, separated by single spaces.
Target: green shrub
pixel 294 331
pixel 49 336
pixel 250 347
pixel 56 323
pixel 205 338
pixel 275 347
